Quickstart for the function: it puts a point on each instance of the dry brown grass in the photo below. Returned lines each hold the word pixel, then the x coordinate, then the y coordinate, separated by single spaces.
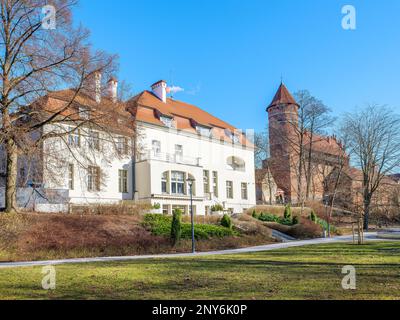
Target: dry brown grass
pixel 11 226
pixel 54 236
pixel 202 219
pixel 306 229
pixel 121 208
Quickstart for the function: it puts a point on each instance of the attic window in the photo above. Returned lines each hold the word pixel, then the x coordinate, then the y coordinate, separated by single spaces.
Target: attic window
pixel 231 135
pixel 167 121
pixel 204 131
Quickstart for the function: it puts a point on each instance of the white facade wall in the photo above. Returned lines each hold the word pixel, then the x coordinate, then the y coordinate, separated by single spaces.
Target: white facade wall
pixel 57 157
pixel 199 154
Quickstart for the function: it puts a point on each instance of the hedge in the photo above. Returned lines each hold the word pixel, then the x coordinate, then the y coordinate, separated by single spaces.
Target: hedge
pixel 160 225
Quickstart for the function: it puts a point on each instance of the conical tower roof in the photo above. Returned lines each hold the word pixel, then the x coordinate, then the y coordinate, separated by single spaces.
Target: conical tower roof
pixel 282 96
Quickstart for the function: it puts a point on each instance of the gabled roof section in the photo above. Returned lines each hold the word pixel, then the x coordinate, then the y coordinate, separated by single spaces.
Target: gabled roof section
pixel 282 96
pixel 186 116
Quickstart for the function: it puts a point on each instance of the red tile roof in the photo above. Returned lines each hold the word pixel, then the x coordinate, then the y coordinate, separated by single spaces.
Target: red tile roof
pixel 147 106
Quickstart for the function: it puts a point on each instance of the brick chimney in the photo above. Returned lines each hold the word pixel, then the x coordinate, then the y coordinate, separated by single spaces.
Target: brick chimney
pixel 113 88
pixel 160 90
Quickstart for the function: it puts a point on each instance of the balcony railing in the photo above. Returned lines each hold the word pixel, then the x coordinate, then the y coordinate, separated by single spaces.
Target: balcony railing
pixel 169 157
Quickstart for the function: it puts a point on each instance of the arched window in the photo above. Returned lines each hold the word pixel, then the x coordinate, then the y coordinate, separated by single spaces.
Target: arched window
pixel 236 163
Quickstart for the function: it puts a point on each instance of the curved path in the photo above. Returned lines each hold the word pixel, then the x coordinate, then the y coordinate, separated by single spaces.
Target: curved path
pixel 370 236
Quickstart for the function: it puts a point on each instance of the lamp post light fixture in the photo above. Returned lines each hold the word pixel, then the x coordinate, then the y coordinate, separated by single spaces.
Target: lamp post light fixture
pixel 190 182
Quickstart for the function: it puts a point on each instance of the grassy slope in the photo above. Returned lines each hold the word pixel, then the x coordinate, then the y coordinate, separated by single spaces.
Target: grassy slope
pixel 44 237
pixel 312 272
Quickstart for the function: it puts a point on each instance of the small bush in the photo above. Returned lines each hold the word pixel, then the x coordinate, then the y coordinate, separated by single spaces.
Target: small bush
pixel 267 217
pixel 254 214
pixel 217 207
pixel 156 206
pixel 313 216
pixel 295 220
pixel 226 221
pixel 288 212
pixel 176 226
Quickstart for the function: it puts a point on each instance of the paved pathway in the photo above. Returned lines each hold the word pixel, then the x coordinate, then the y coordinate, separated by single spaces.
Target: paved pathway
pixel 282 236
pixel 370 236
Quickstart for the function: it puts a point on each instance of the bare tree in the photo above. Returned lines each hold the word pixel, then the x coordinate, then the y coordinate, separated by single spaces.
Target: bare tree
pixel 313 118
pixel 261 151
pixel 35 61
pixel 374 144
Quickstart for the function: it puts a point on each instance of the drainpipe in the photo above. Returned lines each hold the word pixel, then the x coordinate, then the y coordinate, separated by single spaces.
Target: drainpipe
pixel 134 170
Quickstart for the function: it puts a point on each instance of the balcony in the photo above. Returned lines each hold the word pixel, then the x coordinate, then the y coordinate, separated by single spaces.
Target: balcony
pixel 169 158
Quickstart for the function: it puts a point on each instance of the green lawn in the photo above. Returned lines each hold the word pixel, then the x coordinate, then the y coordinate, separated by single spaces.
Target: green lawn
pixel 312 272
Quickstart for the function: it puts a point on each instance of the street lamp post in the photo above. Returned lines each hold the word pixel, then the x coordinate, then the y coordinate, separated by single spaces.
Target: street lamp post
pixel 190 182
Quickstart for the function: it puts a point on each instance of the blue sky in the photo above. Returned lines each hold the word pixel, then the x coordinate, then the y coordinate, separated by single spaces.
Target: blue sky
pixel 229 55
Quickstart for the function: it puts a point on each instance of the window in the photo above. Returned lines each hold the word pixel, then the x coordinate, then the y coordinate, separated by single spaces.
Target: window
pixel 236 163
pixel 178 151
pixel 204 131
pixel 94 140
pixel 156 147
pixel 206 179
pixel 229 189
pixel 74 137
pixel 122 146
pixel 231 135
pixel 167 121
pixel 84 113
pixel 123 181
pixel 182 208
pixel 165 209
pixel 164 182
pixel 71 176
pixel 177 182
pixel 244 190
pixel 93 178
pixel 215 183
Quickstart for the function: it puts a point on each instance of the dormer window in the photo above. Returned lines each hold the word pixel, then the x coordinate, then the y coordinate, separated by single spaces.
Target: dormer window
pixel 203 131
pixel 231 135
pixel 167 121
pixel 84 113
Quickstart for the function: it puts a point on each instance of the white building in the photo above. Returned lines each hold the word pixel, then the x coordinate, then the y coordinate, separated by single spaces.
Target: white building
pixel 178 141
pixel 175 142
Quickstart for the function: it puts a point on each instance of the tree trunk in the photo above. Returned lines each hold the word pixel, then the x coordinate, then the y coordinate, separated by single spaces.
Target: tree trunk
pixel 367 203
pixel 11 178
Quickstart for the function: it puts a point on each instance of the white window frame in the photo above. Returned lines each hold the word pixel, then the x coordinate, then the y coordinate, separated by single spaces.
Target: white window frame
pixel 244 191
pixel 71 176
pixel 178 182
pixel 93 179
pixel 123 181
pixel 229 189
pixel 156 147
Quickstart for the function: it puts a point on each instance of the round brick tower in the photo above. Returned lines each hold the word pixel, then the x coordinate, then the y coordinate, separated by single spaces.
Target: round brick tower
pixel 283 119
